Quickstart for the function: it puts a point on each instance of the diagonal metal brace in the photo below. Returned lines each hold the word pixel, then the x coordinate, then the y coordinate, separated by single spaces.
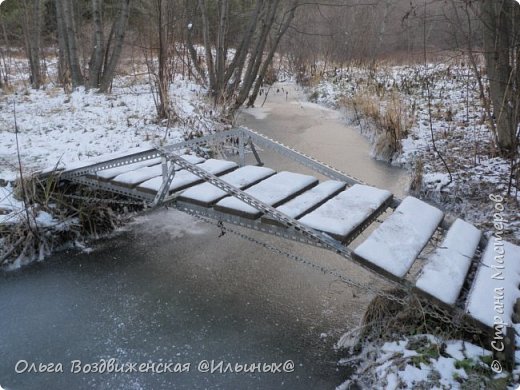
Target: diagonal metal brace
pixel 168 173
pixel 290 223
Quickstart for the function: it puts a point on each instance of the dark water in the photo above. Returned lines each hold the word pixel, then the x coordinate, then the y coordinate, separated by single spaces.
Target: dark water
pixel 168 290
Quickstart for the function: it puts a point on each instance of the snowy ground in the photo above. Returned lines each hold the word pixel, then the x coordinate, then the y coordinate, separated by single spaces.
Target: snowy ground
pixel 423 362
pixel 55 128
pixel 462 136
pixel 460 131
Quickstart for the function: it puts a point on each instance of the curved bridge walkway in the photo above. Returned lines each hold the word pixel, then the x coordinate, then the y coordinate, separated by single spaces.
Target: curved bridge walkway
pixel 461 272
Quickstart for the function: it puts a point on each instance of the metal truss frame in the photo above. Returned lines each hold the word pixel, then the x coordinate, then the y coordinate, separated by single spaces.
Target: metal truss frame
pixel 242 138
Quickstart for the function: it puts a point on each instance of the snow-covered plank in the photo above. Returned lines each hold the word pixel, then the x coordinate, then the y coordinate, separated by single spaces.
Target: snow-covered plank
pixel 397 242
pixel 206 194
pixel 312 199
pixel 184 179
pixel 445 270
pixel 135 177
pixel 273 191
pixel 110 173
pixel 344 213
pixel 495 288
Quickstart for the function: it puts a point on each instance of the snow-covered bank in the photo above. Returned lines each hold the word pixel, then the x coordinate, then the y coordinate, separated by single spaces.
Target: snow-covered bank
pixel 422 362
pixel 458 126
pixel 65 129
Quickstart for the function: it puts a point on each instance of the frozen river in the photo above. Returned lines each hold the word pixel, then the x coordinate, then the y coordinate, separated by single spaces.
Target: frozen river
pixel 167 289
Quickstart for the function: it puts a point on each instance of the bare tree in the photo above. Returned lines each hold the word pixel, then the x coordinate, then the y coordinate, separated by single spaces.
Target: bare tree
pixel 32 36
pixel 67 40
pixel 235 77
pixel 114 45
pixel 500 20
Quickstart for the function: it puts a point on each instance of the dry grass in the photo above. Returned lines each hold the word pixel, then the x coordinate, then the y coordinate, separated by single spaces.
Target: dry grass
pixel 75 218
pixel 386 319
pixel 388 116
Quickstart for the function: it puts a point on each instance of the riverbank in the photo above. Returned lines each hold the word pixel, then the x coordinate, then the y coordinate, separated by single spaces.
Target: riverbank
pixel 441 136
pixel 398 361
pixel 49 128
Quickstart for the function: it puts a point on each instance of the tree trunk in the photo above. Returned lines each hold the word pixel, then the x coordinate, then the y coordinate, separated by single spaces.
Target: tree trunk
pixel 497 21
pixel 221 47
pixel 96 59
pixel 68 29
pixel 267 62
pixel 63 64
pixel 163 81
pixel 119 37
pixel 256 58
pixel 236 67
pixel 32 32
pixel 207 47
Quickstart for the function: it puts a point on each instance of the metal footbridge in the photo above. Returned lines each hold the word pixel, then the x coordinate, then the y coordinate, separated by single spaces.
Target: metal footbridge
pixel 460 273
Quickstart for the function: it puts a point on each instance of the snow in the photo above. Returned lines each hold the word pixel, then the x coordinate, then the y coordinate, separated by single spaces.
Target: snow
pixel 396 243
pixel 137 176
pixel 342 214
pixel 113 172
pixel 185 178
pixel 497 281
pixel 207 193
pixel 10 208
pixel 271 191
pixel 257 112
pixel 391 365
pixel 56 128
pixel 44 219
pixel 445 271
pixel 309 199
pixel 460 129
pixel 134 177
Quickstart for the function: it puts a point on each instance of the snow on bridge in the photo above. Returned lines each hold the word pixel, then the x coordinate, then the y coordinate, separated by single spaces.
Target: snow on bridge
pixel 329 214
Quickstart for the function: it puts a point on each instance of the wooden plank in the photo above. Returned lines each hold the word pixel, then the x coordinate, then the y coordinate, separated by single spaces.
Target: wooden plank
pixel 206 194
pixel 273 191
pixel 443 275
pixel 309 200
pixel 494 291
pixel 184 179
pixel 133 178
pixel 343 214
pixel 396 243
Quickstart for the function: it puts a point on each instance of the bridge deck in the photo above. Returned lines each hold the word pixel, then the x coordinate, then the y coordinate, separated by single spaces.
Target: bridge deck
pixel 341 208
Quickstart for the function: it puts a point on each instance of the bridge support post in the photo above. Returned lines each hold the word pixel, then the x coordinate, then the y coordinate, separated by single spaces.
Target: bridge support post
pixel 242 149
pixel 168 173
pixel 164 164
